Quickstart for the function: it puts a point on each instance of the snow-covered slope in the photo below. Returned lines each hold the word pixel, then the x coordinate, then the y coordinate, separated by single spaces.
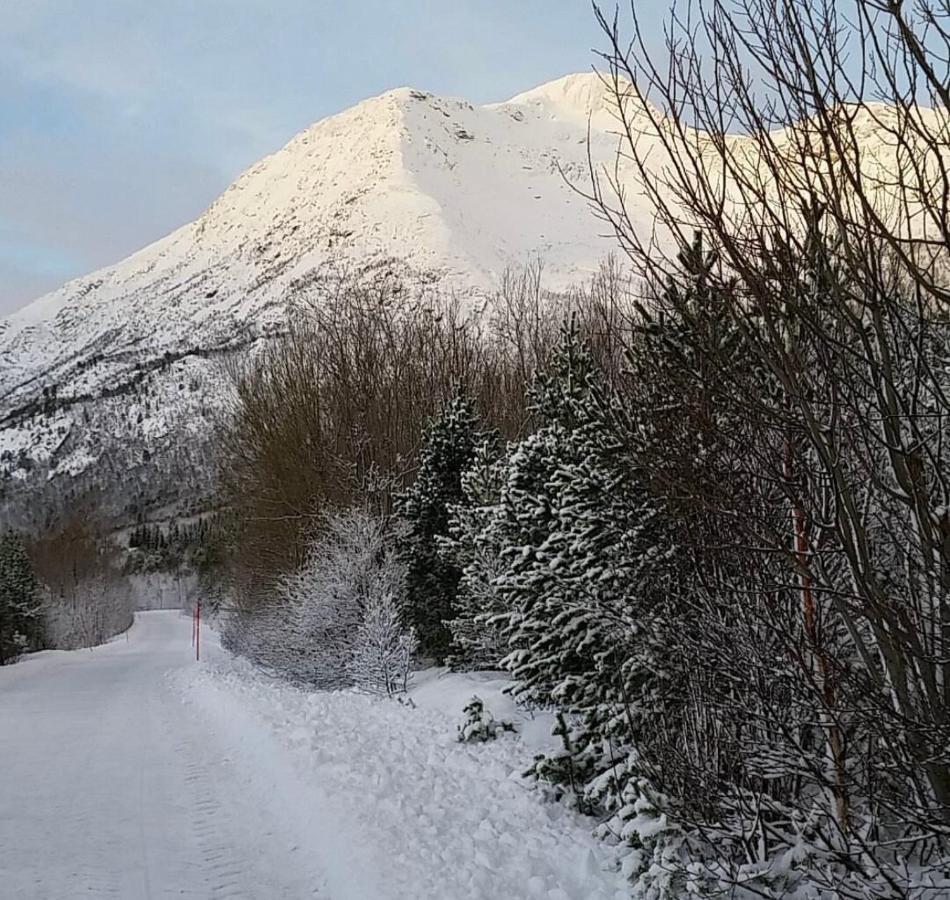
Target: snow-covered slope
pixel 127 358
pixel 130 771
pixel 445 188
pixel 437 183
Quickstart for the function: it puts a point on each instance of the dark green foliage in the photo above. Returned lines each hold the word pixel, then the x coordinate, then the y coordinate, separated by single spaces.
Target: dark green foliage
pixel 21 620
pixel 199 546
pixel 475 543
pixel 433 578
pixel 585 569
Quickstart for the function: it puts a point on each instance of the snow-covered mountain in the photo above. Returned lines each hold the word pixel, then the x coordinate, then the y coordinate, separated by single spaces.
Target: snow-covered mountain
pixel 123 364
pixel 451 190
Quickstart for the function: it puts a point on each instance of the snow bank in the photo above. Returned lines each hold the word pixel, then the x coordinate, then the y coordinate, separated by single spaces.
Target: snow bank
pixel 386 799
pixel 31 664
pixel 440 690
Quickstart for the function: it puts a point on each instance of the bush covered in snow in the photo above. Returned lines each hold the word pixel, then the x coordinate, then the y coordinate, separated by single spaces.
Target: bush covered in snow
pixel 63 590
pixel 383 648
pixel 95 610
pixel 479 725
pixel 337 621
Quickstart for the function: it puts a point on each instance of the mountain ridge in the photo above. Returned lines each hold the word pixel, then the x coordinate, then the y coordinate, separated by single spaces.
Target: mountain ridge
pixel 454 194
pixel 378 133
pixel 118 367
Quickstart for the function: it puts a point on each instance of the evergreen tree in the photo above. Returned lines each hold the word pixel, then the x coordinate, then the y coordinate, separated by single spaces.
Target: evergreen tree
pixel 583 581
pixel 21 621
pixel 474 545
pixel 432 577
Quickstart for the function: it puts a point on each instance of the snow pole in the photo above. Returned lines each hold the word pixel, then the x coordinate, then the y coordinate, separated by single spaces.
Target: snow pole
pixel 197 630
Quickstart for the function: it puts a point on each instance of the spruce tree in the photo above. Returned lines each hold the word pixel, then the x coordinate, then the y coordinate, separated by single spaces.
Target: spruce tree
pixel 474 544
pixel 432 577
pixel 583 580
pixel 21 621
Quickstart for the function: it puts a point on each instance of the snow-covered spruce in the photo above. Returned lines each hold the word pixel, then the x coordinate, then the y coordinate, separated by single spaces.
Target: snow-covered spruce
pixel 564 562
pixel 21 613
pixel 584 571
pixel 474 543
pixel 432 577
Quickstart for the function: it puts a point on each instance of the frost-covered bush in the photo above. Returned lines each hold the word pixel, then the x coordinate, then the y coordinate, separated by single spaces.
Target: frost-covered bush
pixel 383 648
pixel 349 569
pixel 93 610
pixel 261 635
pixel 337 621
pixel 479 725
pixel 86 596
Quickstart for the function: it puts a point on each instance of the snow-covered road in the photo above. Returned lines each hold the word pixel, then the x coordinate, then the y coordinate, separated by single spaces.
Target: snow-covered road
pixel 129 771
pixel 110 786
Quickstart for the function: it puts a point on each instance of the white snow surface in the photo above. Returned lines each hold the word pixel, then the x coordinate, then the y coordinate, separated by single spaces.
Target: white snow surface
pixel 132 771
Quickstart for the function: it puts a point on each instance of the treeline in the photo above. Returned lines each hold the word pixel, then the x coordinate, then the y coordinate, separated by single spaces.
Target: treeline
pixel 69 579
pixel 336 493
pixel 196 547
pixel 62 587
pixel 719 584
pixel 332 415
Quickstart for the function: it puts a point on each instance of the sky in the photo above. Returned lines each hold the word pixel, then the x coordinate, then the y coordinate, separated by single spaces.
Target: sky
pixel 122 119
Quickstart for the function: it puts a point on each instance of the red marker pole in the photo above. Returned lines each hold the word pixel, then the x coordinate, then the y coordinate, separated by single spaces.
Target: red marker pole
pixel 197 630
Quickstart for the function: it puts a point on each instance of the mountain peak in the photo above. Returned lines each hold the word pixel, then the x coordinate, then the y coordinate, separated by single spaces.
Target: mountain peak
pixel 434 186
pixel 580 92
pixel 583 97
pixel 440 188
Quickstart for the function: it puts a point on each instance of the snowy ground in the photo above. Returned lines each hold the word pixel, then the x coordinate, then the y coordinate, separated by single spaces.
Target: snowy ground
pixel 130 771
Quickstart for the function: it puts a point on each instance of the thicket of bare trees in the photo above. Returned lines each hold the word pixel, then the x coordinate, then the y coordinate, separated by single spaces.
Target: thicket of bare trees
pixel 333 414
pixel 86 596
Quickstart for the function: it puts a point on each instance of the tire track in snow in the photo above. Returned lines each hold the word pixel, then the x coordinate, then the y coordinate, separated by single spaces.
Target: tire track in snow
pixel 247 848
pixel 226 871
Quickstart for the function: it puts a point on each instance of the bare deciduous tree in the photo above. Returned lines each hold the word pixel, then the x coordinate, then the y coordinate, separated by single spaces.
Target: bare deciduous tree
pixel 809 143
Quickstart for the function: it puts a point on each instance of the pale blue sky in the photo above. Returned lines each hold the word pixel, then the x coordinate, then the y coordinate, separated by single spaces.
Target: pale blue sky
pixel 122 119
